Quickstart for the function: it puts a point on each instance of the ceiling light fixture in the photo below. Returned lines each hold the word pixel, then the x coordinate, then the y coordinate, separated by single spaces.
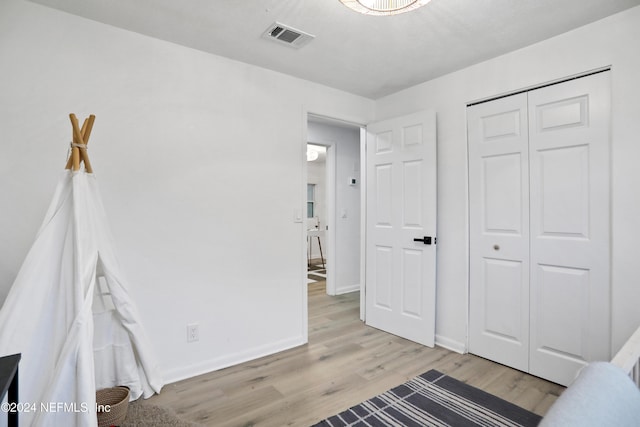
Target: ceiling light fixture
pixel 312 155
pixel 314 151
pixel 383 7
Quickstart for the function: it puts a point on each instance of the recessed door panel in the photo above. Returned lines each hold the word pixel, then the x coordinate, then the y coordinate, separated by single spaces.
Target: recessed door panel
pixel 503 286
pixel 563 113
pixel 502 186
pixel 412 283
pixel 412 135
pixel 412 215
pixel 562 310
pixel 384 196
pixel 383 142
pixel 501 125
pixel 384 277
pixel 564 191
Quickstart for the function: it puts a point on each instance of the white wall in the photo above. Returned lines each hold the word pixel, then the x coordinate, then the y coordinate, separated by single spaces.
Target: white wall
pixel 612 41
pixel 345 252
pixel 185 146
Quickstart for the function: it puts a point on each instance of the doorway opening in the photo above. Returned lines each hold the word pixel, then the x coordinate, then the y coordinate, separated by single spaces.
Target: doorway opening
pixel 333 207
pixel 316 215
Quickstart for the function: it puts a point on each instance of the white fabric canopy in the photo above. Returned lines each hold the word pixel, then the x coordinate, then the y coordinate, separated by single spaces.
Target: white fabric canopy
pixel 71 316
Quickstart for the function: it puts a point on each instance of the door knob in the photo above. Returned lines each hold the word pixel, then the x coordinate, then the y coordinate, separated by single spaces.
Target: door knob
pixel 426 240
pixel 496 247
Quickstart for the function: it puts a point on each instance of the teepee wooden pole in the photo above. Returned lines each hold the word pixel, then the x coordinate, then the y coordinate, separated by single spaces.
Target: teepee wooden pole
pixel 79 154
pixel 70 159
pixel 85 134
pixel 77 139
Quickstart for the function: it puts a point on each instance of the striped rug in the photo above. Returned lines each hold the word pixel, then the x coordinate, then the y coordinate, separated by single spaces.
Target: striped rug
pixel 434 399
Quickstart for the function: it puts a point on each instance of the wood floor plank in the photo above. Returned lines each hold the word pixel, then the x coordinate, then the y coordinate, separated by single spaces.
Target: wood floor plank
pixel 344 363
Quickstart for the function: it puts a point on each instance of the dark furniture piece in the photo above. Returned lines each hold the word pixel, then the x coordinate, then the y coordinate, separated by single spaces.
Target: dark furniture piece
pixel 9 382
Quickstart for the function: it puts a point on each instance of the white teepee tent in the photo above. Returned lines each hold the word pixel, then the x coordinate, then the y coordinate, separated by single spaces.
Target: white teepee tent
pixel 69 312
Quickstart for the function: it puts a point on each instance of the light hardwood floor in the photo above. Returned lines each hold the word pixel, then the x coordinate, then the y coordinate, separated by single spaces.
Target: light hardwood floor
pixel 344 363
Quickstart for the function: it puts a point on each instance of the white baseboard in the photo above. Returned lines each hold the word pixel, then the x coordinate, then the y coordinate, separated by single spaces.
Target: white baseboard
pixel 192 370
pixel 349 289
pixel 450 344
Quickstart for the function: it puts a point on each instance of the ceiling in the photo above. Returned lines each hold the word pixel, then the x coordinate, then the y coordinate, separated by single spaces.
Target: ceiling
pixel 371 56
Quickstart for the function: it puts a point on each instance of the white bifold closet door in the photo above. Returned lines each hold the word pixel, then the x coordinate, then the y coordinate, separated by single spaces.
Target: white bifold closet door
pixel 540 228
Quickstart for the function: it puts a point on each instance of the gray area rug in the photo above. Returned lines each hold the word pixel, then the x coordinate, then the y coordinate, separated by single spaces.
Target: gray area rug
pixel 141 414
pixel 434 399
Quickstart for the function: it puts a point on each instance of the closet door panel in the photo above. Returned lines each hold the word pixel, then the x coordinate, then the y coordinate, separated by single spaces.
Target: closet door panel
pixel 569 162
pixel 499 238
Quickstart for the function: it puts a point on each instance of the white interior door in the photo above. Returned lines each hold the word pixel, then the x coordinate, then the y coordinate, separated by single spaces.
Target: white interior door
pixel 401 207
pixel 499 231
pixel 569 157
pixel 540 228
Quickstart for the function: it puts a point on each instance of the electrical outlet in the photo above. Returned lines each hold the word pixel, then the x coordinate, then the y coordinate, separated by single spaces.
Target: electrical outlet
pixel 193 332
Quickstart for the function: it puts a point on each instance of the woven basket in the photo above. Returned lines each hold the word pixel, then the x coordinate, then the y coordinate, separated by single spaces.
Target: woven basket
pixel 118 400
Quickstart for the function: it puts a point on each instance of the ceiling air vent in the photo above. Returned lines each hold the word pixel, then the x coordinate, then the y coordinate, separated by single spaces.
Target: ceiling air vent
pixel 287 35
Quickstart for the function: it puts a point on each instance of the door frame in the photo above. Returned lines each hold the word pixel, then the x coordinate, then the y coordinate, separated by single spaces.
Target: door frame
pixel 331 212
